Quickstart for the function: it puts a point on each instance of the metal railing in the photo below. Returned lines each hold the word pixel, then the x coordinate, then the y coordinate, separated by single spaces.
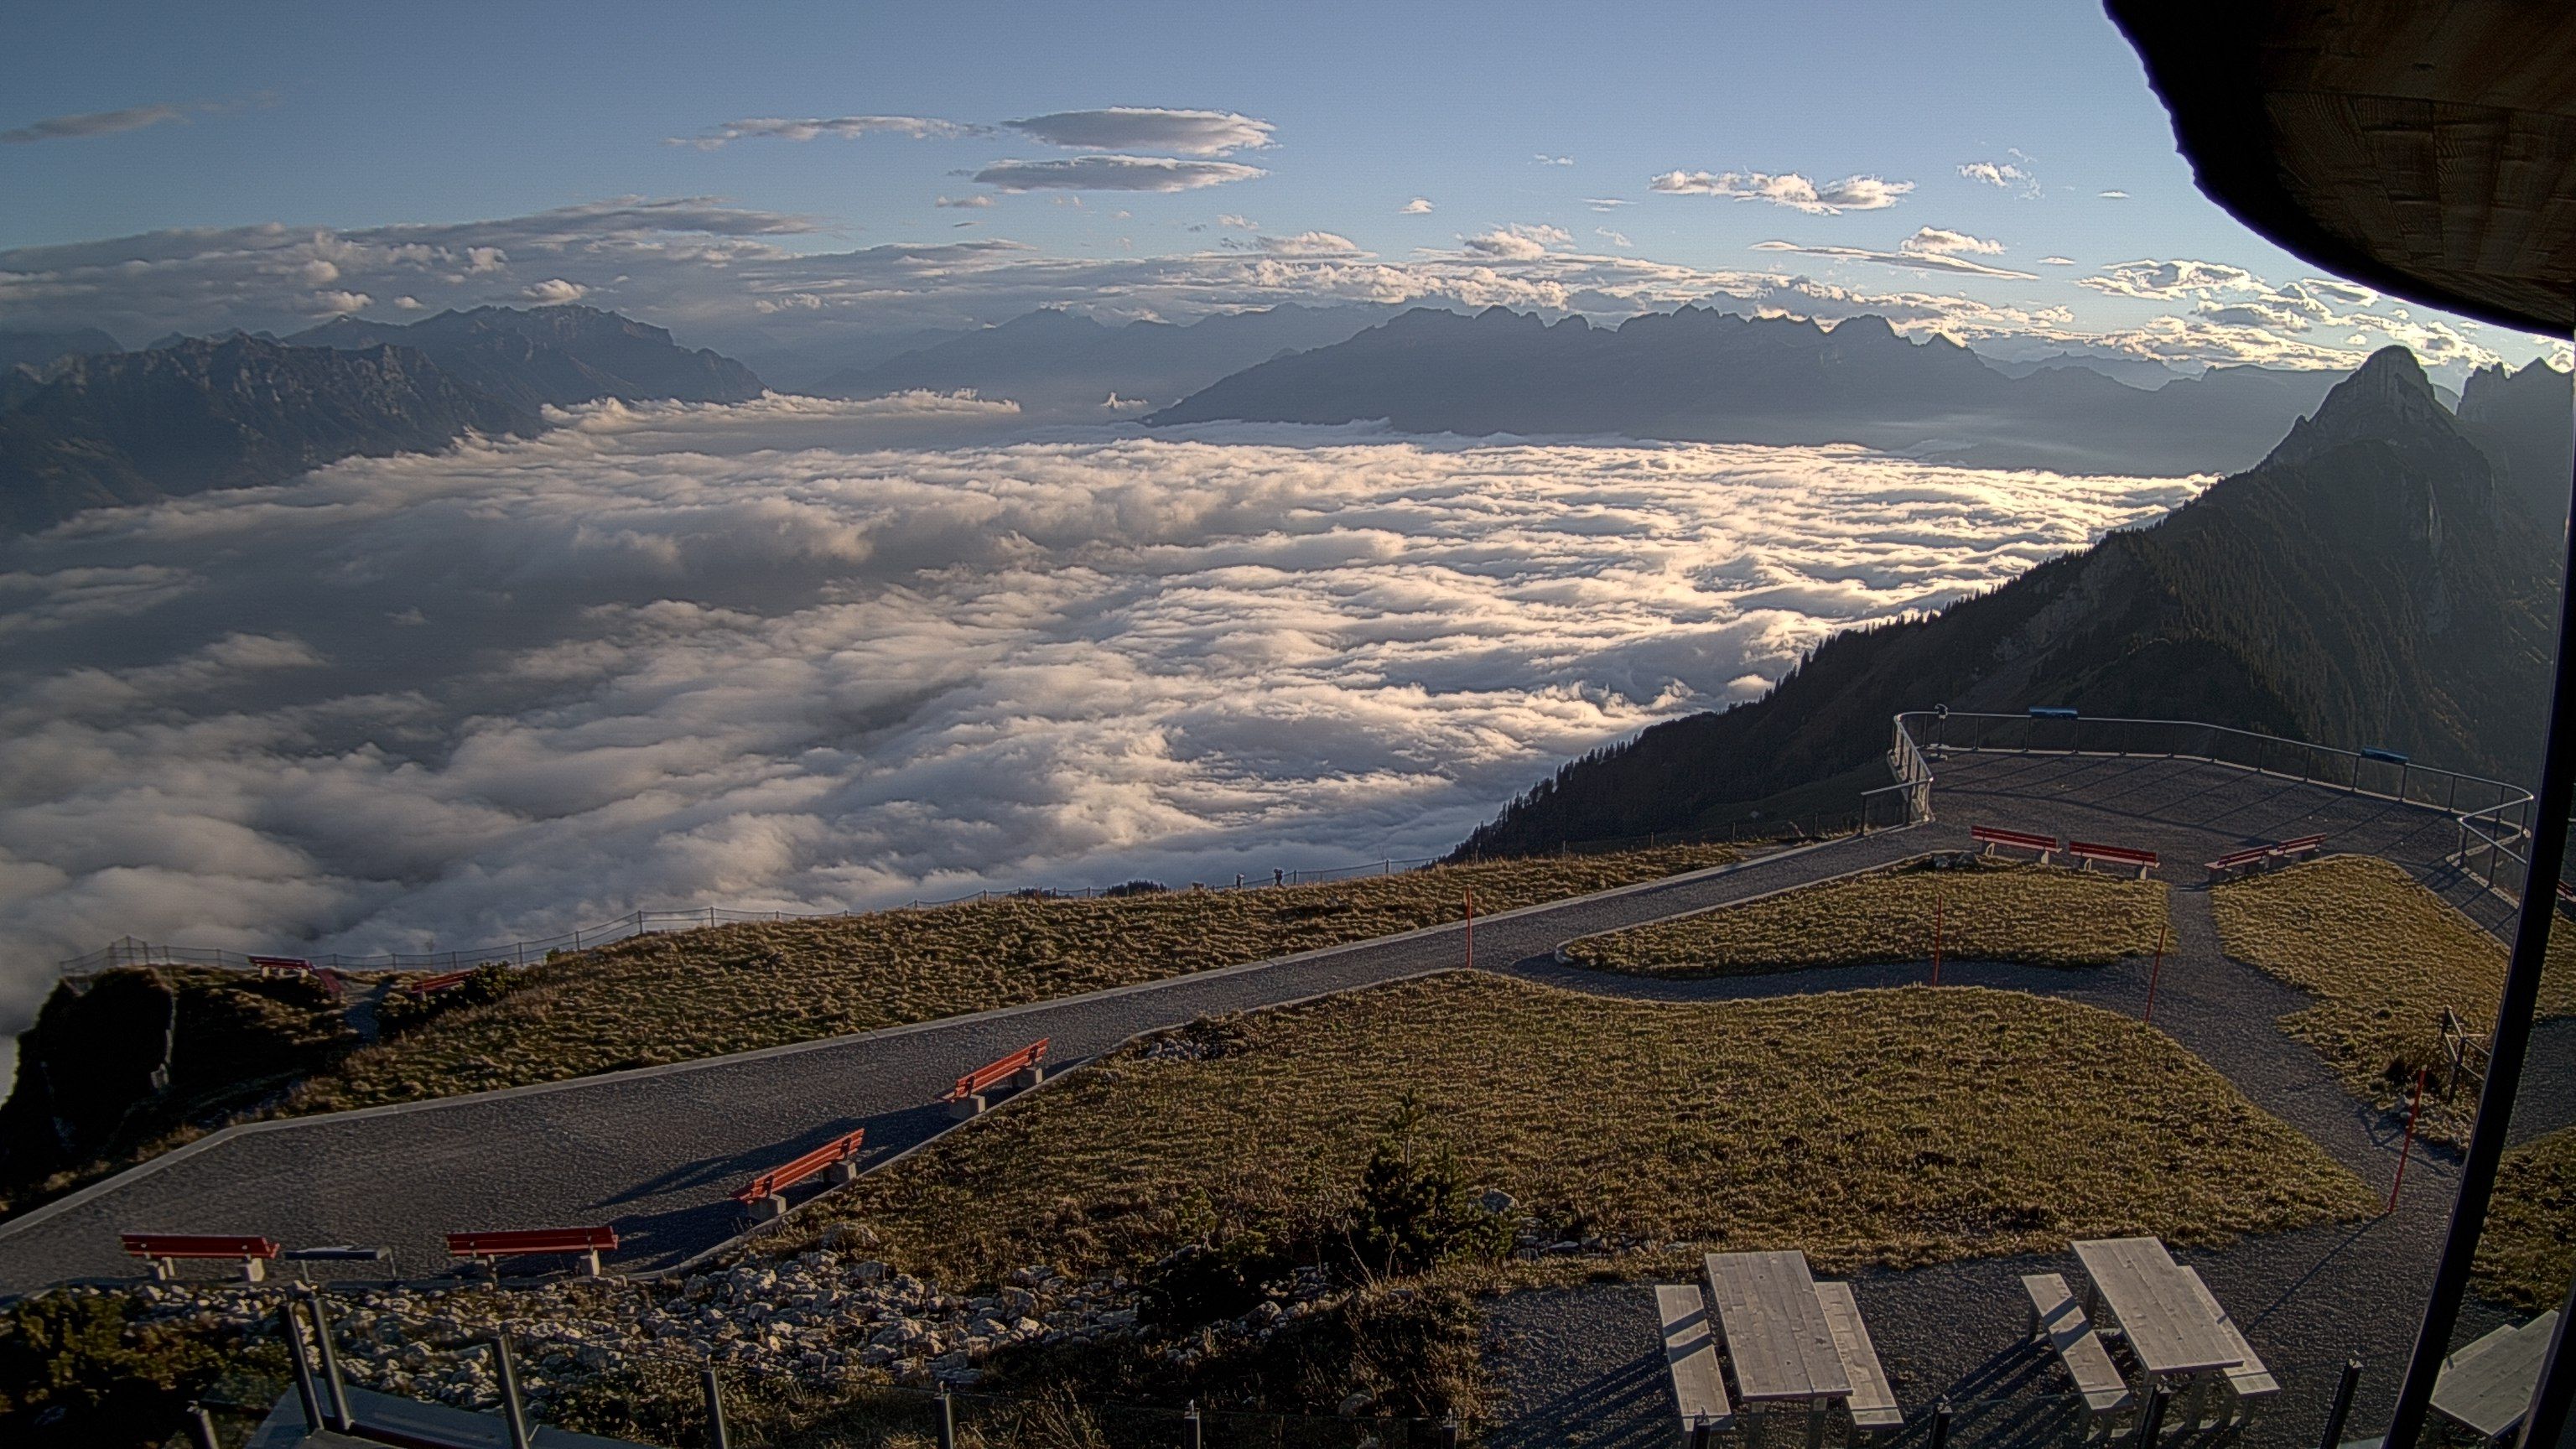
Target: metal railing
pixel 2493 817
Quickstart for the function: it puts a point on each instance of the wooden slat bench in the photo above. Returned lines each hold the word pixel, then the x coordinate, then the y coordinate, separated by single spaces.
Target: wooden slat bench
pixel 2248 1382
pixel 1023 1068
pixel 1873 1401
pixel 164 1250
pixel 1990 837
pixel 2057 1320
pixel 2486 1387
pixel 2303 845
pixel 2236 860
pixel 763 1193
pixel 2089 851
pixel 1690 1352
pixel 324 976
pixel 429 985
pixel 486 1247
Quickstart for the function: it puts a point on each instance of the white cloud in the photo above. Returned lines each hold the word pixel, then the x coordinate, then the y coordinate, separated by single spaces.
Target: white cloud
pixel 1941 241
pixel 2167 280
pixel 1310 244
pixel 1606 203
pixel 1616 239
pixel 408 304
pixel 1518 242
pixel 2114 195
pixel 754 655
pixel 1232 222
pixel 554 290
pixel 1418 206
pixel 920 128
pixel 1113 173
pixel 2013 175
pixel 1149 128
pixel 1545 159
pixel 1852 193
pixel 1932 247
pixel 92 123
pixel 978 201
pixel 338 303
pixel 2057 261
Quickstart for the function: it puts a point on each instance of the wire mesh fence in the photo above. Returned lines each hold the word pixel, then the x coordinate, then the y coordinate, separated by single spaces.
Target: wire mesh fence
pixel 2493 816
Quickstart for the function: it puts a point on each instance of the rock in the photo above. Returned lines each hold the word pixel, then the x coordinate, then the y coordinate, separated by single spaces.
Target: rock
pixel 1496 1200
pixel 1355 1403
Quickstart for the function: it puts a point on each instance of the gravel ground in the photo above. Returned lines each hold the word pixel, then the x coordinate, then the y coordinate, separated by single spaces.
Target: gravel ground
pixel 655 1152
pixel 2305 1299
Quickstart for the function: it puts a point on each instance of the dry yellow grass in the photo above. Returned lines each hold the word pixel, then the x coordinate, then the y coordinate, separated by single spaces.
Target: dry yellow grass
pixel 1895 1127
pixel 702 993
pixel 2530 1238
pixel 1995 911
pixel 2383 956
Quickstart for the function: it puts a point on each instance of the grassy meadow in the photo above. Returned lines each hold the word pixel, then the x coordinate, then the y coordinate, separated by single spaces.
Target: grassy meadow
pixel 707 992
pixel 2383 956
pixel 1991 911
pixel 1894 1127
pixel 2530 1239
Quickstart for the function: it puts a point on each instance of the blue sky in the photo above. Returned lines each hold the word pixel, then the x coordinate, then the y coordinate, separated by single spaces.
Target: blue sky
pixel 411 128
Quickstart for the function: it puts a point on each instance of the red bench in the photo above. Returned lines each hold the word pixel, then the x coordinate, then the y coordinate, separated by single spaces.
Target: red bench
pixel 762 1193
pixel 429 984
pixel 486 1247
pixel 2088 852
pixel 163 1250
pixel 1023 1068
pixel 2278 850
pixel 1990 837
pixel 298 966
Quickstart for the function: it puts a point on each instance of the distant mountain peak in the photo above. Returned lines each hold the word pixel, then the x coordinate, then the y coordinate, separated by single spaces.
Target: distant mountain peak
pixel 2387 399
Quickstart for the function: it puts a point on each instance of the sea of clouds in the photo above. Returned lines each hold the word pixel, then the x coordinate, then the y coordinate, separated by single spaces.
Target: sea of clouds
pixel 801 655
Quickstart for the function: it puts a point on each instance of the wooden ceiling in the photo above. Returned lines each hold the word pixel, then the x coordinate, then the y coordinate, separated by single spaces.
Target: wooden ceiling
pixel 2423 147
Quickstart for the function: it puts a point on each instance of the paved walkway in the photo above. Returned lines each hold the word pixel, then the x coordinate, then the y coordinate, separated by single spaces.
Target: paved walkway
pixel 656 1151
pixel 1585 1365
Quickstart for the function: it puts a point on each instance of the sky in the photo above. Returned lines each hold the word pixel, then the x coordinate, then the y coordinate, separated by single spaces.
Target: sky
pixel 776 178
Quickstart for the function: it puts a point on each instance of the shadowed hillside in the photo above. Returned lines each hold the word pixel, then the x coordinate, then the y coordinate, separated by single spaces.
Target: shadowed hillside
pixel 2368 584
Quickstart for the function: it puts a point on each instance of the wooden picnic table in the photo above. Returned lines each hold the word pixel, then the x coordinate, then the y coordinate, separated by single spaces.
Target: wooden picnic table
pixel 2169 1328
pixel 1776 1329
pixel 2486 1387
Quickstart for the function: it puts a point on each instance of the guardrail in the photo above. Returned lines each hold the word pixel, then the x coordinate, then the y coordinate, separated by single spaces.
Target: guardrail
pixel 2493 817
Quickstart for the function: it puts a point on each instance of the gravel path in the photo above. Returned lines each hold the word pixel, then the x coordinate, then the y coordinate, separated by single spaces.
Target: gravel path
pixel 2305 1298
pixel 656 1151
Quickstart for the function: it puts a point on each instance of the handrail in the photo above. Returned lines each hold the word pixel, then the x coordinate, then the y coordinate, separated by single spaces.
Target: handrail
pixel 2494 818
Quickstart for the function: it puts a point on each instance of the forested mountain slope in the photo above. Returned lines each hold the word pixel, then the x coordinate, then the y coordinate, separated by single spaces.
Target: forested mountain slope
pixel 2367 584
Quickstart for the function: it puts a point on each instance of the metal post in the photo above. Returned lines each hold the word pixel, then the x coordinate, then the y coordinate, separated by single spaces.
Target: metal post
pixel 1940 1438
pixel 716 1436
pixel 303 1367
pixel 1191 1437
pixel 338 1393
pixel 513 1413
pixel 2341 1410
pixel 947 1419
pixel 2546 1420
pixel 2512 1036
pixel 201 1428
pixel 2151 1419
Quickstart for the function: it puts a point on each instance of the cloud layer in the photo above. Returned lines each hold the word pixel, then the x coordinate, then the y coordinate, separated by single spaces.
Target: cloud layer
pixel 761 655
pixel 1789 189
pixel 1113 172
pixel 1148 128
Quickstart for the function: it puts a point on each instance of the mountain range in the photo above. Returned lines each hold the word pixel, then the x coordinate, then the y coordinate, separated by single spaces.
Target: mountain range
pixel 99 429
pixel 1708 376
pixel 2374 581
pixel 558 355
pixel 1063 365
